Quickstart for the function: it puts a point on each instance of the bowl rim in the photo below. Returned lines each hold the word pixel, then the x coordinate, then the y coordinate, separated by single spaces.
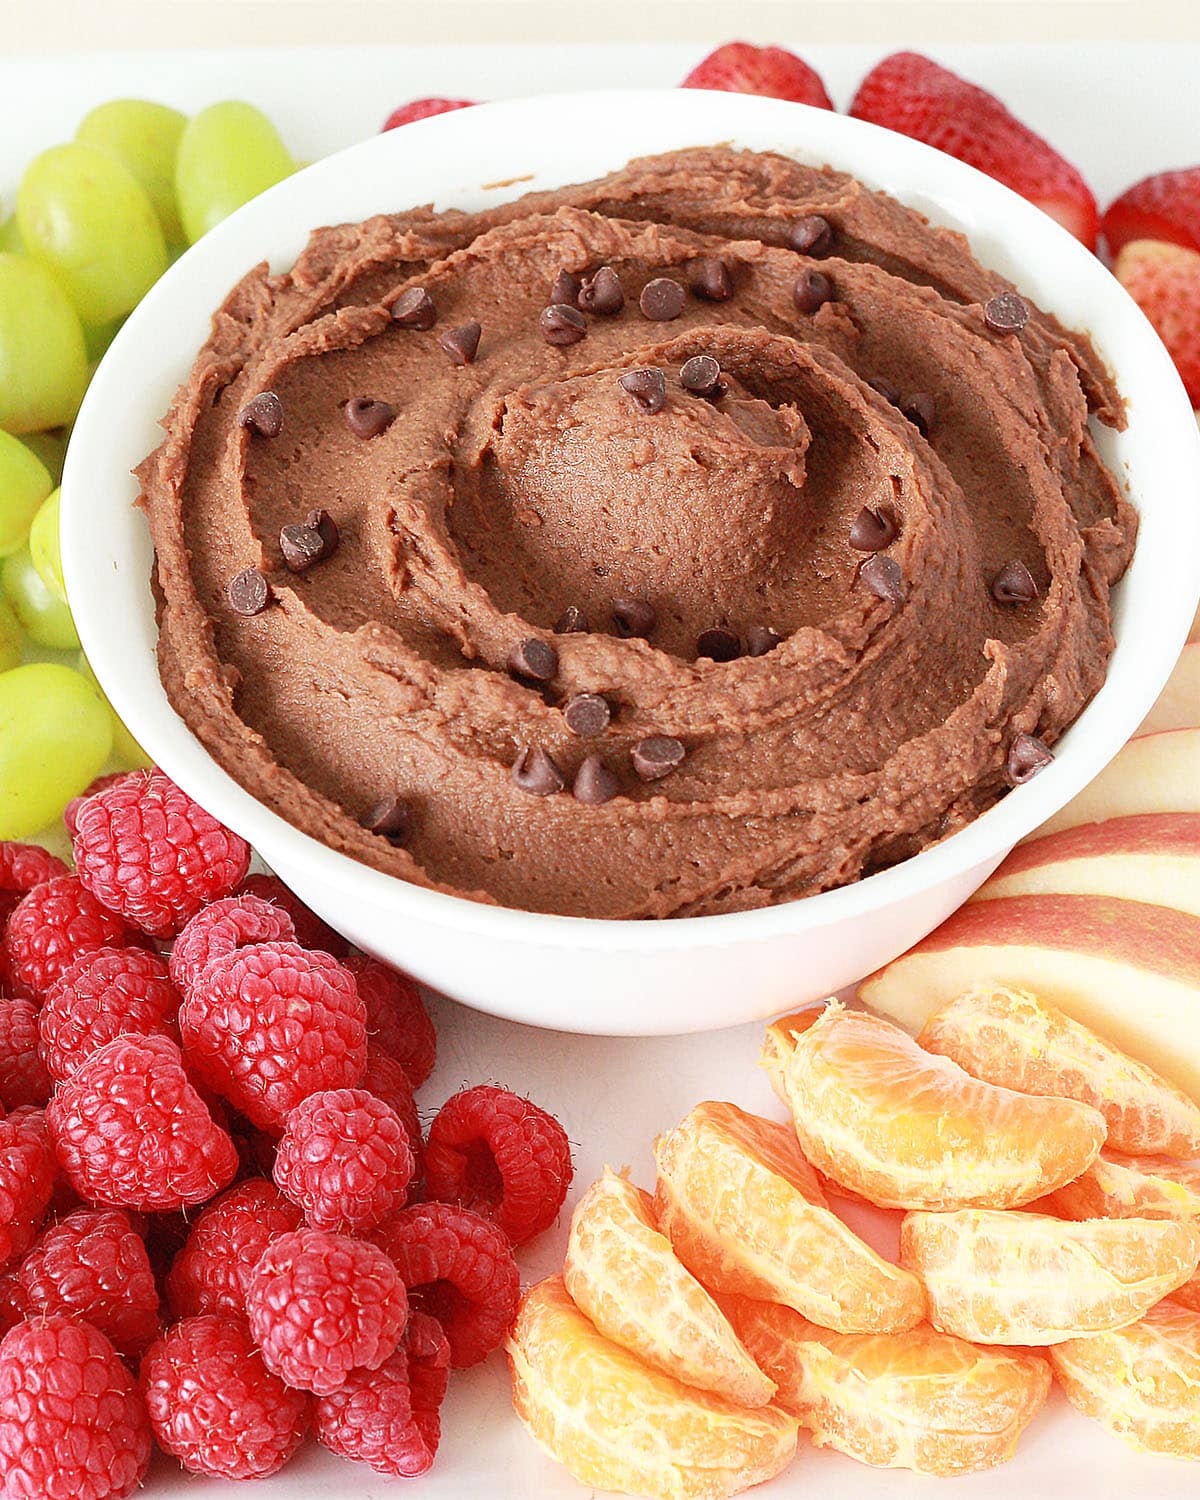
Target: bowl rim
pixel 938 185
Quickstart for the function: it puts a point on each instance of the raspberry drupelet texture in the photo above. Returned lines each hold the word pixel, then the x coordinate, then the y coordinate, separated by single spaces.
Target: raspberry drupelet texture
pixel 502 1156
pixel 215 1406
pixel 27 1174
pixel 101 784
pixel 22 866
pixel 130 1130
pixel 460 1268
pixel 227 1241
pixel 344 1159
pixel 220 929
pixel 390 1418
pixel 272 1024
pixel 321 1305
pixel 387 1080
pixel 311 932
pixel 397 1021
pixel 23 1077
pixel 50 927
pixel 93 1264
pixel 104 994
pixel 145 849
pixel 72 1423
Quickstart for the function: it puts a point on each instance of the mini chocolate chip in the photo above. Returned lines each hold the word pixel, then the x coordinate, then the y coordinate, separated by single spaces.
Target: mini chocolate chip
pixel 633 617
pixel 701 375
pixel 587 714
pixel 323 522
pixel 414 309
pixel 302 546
pixel 647 387
pixel 661 299
pixel 886 389
pixel 534 772
pixel 811 235
pixel 656 756
pixel 594 782
pixel 367 418
pixel 572 621
pixel 920 411
pixel 533 658
pixel 1014 584
pixel 561 324
pixel 565 289
pixel 884 577
pixel 263 414
pixel 718 643
pixel 709 279
pixel 601 293
pixel 1026 757
pixel 873 530
pixel 760 639
pixel 1006 312
pixel 813 290
pixel 249 592
pixel 461 344
pixel 393 818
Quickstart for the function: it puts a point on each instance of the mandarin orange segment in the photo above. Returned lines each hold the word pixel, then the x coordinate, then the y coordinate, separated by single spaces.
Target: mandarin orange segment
pixel 907 1129
pixel 617 1424
pixel 744 1213
pixel 1022 1278
pixel 1131 1187
pixel 622 1273
pixel 1142 1381
pixel 1010 1037
pixel 920 1400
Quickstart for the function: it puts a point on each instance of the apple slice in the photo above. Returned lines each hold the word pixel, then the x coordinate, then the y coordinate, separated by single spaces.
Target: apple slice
pixel 1153 773
pixel 1127 969
pixel 1178 705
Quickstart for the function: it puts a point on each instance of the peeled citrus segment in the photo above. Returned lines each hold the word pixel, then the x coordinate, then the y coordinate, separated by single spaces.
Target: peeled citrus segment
pixel 622 1273
pixel 744 1212
pixel 920 1400
pixel 1010 1037
pixel 1142 1382
pixel 883 1117
pixel 617 1424
pixel 1131 1187
pixel 1014 1278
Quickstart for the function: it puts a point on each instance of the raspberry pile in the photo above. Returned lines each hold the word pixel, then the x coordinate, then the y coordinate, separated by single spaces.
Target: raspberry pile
pixel 222 1229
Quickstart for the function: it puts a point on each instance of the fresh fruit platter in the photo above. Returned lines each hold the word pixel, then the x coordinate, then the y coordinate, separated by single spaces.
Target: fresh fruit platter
pixel 268 1211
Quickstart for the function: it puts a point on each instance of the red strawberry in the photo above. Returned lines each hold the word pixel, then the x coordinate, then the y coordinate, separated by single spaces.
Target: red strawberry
pixel 1163 207
pixel 742 68
pixel 422 109
pixel 1164 281
pixel 917 97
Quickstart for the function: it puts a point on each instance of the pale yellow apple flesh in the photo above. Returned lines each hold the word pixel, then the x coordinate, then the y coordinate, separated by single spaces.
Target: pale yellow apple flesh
pixel 1178 705
pixel 1156 773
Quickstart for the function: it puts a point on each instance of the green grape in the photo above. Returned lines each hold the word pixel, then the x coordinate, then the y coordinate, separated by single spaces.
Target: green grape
pixel 229 154
pixel 43 546
pixel 144 138
pixel 96 340
pixel 126 751
pixel 10 236
pixel 43 363
pixel 51 448
pixel 12 637
pixel 47 620
pixel 24 484
pixel 55 736
pixel 86 217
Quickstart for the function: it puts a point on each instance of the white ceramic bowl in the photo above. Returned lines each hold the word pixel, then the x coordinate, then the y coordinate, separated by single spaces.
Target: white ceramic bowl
pixel 571 973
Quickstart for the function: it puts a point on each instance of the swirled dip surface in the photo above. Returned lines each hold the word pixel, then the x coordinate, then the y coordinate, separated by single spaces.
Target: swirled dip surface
pixel 531 481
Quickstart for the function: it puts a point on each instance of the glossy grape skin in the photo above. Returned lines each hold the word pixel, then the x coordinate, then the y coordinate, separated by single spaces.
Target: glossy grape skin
pixel 46 619
pixel 10 236
pixel 43 362
pixel 43 546
pixel 12 637
pixel 55 736
pixel 24 484
pixel 88 219
pixel 144 138
pixel 126 751
pixel 229 153
pixel 51 448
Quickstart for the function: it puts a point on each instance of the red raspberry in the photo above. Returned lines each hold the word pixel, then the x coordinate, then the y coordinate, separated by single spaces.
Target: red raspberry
pixel 51 926
pixel 387 1080
pixel 222 928
pixel 71 1421
pixel 215 1406
pixel 23 1079
pixel 94 1265
pixel 422 109
pixel 397 1021
pixel 497 1153
pixel 390 1418
pixel 145 849
pixel 131 1131
pixel 272 1024
pixel 101 784
pixel 104 994
pixel 321 1305
pixel 344 1159
pixel 27 1173
pixel 22 866
pixel 311 932
pixel 226 1243
pixel 460 1268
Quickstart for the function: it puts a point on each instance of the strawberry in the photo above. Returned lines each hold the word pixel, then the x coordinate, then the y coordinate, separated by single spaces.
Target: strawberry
pixel 1163 207
pixel 741 68
pixel 917 97
pixel 1164 281
pixel 422 109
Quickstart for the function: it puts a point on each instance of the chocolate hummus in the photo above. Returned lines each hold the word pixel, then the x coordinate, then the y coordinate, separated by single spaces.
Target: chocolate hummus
pixel 683 542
